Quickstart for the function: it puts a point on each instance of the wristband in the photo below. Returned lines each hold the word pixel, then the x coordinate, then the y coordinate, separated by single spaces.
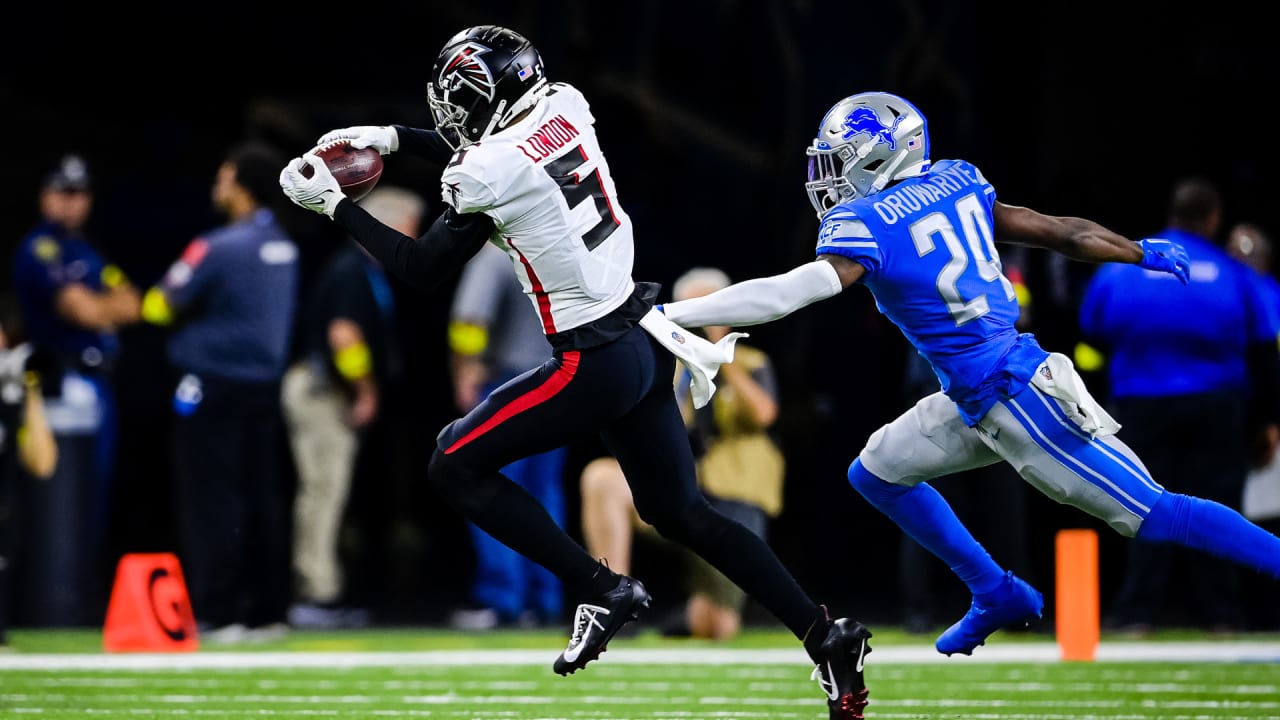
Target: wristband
pixel 467 338
pixel 112 277
pixel 155 307
pixel 353 361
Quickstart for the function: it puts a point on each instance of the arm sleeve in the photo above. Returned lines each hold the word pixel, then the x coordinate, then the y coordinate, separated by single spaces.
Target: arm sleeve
pixel 424 261
pixel 424 143
pixel 752 302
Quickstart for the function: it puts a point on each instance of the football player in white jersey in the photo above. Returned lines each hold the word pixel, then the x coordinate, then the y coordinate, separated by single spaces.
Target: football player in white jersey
pixel 524 171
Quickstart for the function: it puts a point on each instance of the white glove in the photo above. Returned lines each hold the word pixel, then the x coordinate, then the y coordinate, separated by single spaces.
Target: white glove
pixel 319 193
pixel 382 138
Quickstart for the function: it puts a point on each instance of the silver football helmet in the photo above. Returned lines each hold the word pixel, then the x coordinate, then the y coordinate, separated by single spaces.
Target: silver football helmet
pixel 865 142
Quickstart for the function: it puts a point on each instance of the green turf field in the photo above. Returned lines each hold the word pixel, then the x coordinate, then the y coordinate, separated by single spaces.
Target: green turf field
pixel 414 673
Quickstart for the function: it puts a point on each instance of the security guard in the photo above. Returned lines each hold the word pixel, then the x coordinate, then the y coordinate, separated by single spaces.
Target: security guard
pixel 229 302
pixel 72 302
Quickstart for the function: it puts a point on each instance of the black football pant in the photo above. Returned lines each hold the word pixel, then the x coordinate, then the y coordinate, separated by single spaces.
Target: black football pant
pixel 233 503
pixel 1197 445
pixel 624 391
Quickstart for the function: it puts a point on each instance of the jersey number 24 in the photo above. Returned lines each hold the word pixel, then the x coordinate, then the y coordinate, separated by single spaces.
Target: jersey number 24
pixel 977 246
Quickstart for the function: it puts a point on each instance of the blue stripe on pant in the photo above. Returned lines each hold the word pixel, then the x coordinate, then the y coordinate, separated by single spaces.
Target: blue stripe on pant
pixel 1105 463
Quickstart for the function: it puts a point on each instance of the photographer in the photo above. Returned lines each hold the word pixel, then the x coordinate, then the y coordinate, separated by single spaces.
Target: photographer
pixel 27 449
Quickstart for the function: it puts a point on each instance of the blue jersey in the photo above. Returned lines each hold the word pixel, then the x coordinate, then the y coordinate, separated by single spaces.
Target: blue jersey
pixel 234 291
pixel 1164 339
pixel 49 259
pixel 928 247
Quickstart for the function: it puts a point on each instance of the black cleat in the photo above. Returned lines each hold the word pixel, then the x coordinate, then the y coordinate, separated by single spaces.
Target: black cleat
pixel 595 625
pixel 839 671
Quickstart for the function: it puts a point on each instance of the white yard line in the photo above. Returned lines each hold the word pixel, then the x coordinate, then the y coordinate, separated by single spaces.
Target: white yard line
pixel 1265 652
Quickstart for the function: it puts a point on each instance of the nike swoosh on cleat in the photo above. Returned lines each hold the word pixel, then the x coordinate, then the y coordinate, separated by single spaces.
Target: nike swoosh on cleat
pixel 834 692
pixel 862 652
pixel 571 654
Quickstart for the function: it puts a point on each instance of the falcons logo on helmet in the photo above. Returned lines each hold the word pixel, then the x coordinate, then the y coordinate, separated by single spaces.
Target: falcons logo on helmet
pixel 465 68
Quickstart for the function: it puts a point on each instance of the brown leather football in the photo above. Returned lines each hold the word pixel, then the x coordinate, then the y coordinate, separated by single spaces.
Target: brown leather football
pixel 357 171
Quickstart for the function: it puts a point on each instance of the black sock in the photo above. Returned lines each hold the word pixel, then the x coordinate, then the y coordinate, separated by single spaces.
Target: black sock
pixel 516 519
pixel 600 583
pixel 752 565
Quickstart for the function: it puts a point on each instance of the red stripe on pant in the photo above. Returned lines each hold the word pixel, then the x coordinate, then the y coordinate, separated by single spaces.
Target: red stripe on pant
pixel 547 390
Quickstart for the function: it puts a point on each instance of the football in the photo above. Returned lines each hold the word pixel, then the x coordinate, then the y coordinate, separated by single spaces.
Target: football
pixel 356 171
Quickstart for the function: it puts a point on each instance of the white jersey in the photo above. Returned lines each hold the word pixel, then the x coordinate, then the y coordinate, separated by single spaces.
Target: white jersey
pixel 546 184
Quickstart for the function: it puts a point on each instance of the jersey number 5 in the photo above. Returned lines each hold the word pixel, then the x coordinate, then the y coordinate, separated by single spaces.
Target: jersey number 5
pixel 576 189
pixel 978 244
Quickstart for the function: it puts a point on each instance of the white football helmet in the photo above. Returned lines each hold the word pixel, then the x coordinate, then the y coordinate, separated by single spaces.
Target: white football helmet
pixel 865 142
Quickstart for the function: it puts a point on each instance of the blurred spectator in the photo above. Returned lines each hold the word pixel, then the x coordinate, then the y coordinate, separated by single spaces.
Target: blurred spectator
pixel 349 361
pixel 991 499
pixel 72 301
pixel 1183 364
pixel 740 469
pixel 27 449
pixel 230 301
pixel 1261 503
pixel 493 337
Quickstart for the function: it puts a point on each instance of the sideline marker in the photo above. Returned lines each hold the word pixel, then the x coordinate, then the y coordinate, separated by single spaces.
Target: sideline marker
pixel 149 609
pixel 1078 617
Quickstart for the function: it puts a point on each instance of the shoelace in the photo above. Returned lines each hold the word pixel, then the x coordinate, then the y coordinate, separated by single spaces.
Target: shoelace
pixel 828 686
pixel 586 616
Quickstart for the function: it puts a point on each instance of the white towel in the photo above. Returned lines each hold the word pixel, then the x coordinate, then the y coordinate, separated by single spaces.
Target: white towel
pixel 1057 378
pixel 702 358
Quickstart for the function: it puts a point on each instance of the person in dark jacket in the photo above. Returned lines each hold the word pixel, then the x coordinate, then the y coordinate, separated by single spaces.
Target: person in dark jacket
pixel 229 302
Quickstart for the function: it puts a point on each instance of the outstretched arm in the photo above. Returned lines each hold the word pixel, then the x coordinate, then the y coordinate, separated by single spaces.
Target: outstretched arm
pixel 1086 240
pixel 423 261
pixel 761 300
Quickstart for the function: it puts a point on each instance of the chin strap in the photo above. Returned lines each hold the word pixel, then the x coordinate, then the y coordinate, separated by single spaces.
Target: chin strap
pixel 504 117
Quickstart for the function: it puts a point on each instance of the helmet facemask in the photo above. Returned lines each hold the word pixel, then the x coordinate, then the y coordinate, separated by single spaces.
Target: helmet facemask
pixel 482 80
pixel 450 118
pixel 864 143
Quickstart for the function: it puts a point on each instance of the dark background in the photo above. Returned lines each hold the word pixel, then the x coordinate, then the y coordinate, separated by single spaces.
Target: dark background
pixel 704 109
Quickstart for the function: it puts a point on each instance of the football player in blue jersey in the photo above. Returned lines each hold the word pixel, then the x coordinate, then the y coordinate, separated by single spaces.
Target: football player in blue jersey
pixel 921 237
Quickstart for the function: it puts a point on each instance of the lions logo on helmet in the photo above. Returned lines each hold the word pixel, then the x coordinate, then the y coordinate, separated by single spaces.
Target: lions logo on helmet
pixel 842 168
pixel 864 120
pixel 466 68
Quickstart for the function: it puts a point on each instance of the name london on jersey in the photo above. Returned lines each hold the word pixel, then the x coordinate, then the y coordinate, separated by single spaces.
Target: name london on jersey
pixel 553 135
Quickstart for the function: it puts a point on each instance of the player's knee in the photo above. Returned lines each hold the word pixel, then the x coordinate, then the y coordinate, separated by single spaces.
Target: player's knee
pixel 443 473
pixel 454 482
pixel 872 487
pixel 684 523
pixel 1167 520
